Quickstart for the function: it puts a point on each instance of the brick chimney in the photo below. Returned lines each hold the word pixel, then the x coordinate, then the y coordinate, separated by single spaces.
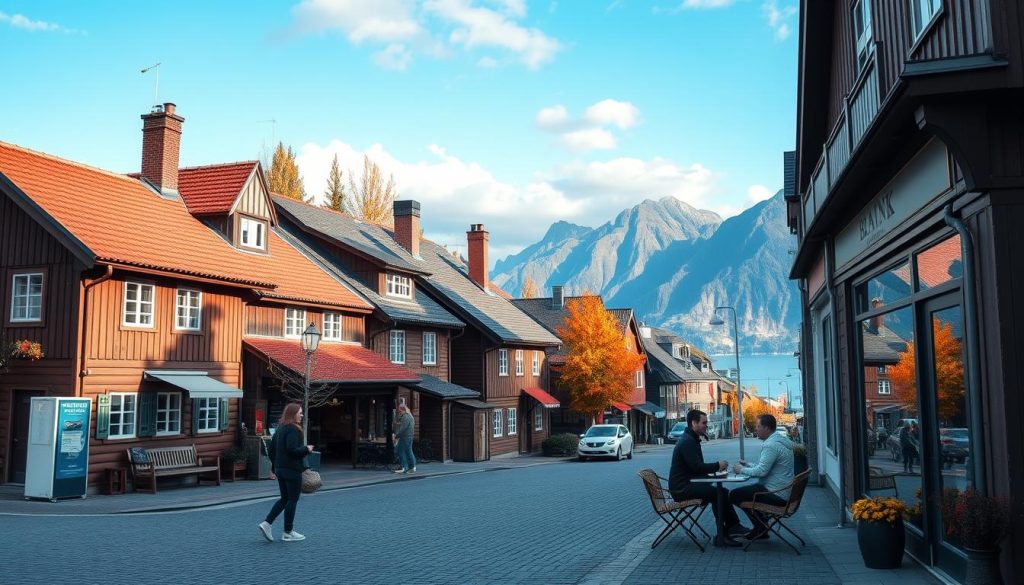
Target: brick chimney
pixel 878 320
pixel 407 225
pixel 557 300
pixel 161 144
pixel 477 238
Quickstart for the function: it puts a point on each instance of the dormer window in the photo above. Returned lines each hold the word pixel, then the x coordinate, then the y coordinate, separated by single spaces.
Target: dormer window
pixel 399 286
pixel 252 233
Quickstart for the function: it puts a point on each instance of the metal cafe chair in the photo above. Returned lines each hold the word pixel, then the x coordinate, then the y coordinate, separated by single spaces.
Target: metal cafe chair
pixel 774 515
pixel 685 514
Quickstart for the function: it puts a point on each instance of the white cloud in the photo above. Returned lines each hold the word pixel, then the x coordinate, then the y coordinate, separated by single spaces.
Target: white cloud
pixel 395 56
pixel 622 114
pixel 589 139
pixel 758 193
pixel 433 27
pixel 591 131
pixel 455 192
pixel 779 18
pixel 553 118
pixel 702 4
pixel 23 22
pixel 487 62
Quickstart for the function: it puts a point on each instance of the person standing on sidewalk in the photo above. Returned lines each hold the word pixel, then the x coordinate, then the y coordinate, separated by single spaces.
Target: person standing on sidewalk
pixel 287 462
pixel 404 427
pixel 688 463
pixel 774 470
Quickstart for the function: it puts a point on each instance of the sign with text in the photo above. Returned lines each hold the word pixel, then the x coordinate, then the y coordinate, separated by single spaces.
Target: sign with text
pixel 72 439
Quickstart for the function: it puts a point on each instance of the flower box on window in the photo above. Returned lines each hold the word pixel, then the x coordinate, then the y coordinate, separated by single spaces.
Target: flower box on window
pixel 25 349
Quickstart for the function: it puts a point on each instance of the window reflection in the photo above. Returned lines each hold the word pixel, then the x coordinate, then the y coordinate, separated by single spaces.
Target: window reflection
pixel 884 289
pixel 938 264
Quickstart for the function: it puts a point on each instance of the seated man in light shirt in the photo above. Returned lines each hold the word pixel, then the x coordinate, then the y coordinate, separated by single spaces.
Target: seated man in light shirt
pixel 774 470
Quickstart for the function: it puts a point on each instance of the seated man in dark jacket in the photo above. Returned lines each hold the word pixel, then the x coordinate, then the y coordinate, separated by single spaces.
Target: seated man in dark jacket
pixel 688 463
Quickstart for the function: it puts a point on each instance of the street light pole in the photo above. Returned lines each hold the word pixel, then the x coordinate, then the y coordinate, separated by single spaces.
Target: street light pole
pixel 736 350
pixel 310 341
pixel 788 405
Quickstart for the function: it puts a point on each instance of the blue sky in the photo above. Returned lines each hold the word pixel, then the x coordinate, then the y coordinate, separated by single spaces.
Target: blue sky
pixel 509 113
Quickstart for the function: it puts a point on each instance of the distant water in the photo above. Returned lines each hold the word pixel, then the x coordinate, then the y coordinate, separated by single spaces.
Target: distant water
pixel 766 372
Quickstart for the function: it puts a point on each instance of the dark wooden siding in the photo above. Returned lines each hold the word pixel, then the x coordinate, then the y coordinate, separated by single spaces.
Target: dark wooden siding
pixel 964 29
pixel 414 349
pixel 506 443
pixel 511 386
pixel 844 63
pixel 467 360
pixel 268 321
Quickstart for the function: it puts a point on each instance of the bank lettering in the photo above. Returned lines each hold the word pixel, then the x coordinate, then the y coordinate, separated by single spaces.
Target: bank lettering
pixel 875 215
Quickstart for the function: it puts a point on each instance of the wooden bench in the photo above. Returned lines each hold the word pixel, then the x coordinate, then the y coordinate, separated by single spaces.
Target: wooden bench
pixel 171 461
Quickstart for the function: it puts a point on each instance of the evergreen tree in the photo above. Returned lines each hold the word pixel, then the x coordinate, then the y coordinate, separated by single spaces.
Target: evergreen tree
pixel 284 177
pixel 372 199
pixel 335 193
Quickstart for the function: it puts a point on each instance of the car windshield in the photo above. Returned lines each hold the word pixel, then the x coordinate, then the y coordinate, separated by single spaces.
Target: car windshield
pixel 678 428
pixel 601 432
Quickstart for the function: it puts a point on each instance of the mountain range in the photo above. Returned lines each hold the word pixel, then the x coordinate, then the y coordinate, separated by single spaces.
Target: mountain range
pixel 673 264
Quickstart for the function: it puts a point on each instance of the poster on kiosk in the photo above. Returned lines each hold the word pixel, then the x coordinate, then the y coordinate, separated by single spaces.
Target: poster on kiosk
pixel 58 448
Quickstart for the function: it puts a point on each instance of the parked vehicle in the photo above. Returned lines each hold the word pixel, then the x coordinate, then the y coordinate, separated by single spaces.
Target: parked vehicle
pixel 956 444
pixel 606 441
pixel 676 432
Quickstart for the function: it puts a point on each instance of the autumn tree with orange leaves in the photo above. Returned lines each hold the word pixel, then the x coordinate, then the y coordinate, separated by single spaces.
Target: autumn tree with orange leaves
pixel 949 375
pixel 599 369
pixel 529 288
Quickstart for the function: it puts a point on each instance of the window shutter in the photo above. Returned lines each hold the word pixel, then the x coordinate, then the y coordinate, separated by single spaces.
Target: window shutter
pixel 147 414
pixel 223 411
pixel 195 416
pixel 102 416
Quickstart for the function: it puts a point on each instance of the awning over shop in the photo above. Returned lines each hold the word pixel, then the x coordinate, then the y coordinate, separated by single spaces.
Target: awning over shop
pixel 475 404
pixel 546 400
pixel 444 390
pixel 621 406
pixel 651 409
pixel 197 384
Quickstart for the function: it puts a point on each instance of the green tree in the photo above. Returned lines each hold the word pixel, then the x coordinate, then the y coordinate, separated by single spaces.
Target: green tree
pixel 284 177
pixel 335 193
pixel 372 199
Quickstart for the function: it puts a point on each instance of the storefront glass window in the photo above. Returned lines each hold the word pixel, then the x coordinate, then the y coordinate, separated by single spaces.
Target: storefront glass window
pixel 939 264
pixel 884 289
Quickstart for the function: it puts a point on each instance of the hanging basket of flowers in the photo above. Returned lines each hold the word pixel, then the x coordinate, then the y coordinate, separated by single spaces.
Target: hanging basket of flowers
pixel 26 349
pixel 880 532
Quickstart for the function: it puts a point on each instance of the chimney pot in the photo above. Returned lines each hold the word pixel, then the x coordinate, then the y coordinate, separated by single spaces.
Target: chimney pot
pixel 407 225
pixel 477 239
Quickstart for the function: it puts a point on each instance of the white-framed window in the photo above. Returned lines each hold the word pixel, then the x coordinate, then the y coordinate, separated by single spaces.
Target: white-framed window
pixel 332 326
pixel 27 297
pixel 396 347
pixel 639 378
pixel 399 286
pixel 294 322
pixel 123 406
pixel 188 310
pixel 883 369
pixel 536 363
pixel 498 421
pixel 252 233
pixel 884 387
pixel 209 415
pixel 519 362
pixel 538 419
pixel 502 362
pixel 429 348
pixel 168 413
pixel 139 301
pixel 512 420
pixel 921 14
pixel 862 31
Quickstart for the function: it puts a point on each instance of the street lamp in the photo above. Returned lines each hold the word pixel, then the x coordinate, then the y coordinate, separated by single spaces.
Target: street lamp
pixel 310 339
pixel 788 405
pixel 716 320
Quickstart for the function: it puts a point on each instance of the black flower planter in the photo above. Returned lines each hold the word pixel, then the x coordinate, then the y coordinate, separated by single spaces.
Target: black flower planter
pixel 982 567
pixel 881 544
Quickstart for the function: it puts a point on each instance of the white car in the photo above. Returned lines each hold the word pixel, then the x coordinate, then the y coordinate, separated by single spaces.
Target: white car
pixel 606 441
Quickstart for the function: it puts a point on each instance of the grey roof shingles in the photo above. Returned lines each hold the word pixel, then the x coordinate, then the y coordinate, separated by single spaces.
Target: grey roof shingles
pixel 445 390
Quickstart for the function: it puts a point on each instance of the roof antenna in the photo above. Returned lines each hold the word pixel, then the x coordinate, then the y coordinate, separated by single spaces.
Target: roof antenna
pixel 156 91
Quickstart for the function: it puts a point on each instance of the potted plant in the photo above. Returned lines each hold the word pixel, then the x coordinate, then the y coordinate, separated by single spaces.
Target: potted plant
pixel 880 534
pixel 799 459
pixel 26 349
pixel 233 458
pixel 980 522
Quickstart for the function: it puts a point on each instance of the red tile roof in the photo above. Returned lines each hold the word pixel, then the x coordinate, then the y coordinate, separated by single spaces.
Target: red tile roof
pixel 333 362
pixel 214 188
pixel 123 222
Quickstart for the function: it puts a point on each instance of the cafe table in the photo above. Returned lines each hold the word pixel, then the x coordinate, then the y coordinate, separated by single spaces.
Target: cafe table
pixel 717 479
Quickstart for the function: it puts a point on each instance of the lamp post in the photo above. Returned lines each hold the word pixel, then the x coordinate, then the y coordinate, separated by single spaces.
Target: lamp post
pixel 310 340
pixel 788 405
pixel 716 320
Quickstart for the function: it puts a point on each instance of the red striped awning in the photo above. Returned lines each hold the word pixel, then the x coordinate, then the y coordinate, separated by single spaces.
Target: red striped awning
pixel 621 406
pixel 546 400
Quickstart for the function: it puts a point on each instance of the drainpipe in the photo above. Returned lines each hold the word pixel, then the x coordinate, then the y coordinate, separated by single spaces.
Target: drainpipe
pixel 87 286
pixel 973 357
pixel 830 283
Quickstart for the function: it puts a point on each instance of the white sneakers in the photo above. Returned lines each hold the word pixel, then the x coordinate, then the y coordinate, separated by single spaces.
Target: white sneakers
pixel 413 470
pixel 399 471
pixel 292 536
pixel 266 531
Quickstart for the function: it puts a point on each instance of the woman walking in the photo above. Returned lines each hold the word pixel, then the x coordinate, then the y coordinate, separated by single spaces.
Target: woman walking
pixel 287 462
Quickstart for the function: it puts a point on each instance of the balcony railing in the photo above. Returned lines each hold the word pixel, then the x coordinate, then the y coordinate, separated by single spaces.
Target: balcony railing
pixel 861 107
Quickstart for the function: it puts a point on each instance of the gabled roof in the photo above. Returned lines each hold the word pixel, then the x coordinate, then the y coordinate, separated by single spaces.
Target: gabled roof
pixel 372 242
pixel 664 340
pixel 333 362
pixel 114 219
pixel 881 346
pixel 213 189
pixel 421 309
pixel 664 367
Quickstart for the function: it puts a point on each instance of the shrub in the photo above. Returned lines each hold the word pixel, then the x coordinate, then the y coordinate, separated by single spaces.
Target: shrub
pixel 560 445
pixel 981 521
